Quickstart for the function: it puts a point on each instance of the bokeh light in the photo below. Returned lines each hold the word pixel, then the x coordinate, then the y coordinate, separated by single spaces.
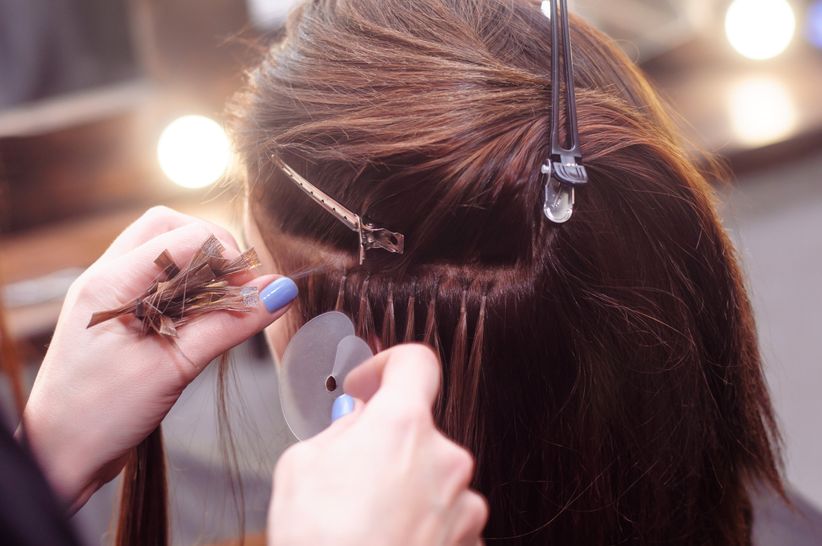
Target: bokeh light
pixel 194 151
pixel 814 24
pixel 760 29
pixel 762 111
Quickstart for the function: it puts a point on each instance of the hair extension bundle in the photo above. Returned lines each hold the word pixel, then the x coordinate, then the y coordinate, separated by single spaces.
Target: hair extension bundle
pixel 187 293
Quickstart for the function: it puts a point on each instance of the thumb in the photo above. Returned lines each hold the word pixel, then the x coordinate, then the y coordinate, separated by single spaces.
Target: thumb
pixel 209 336
pixel 409 373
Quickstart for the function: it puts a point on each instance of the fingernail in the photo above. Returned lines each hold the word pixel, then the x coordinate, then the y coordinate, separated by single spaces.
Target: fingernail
pixel 343 405
pixel 278 294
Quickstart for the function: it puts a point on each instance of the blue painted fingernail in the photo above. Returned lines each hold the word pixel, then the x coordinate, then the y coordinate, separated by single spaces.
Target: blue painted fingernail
pixel 343 405
pixel 278 294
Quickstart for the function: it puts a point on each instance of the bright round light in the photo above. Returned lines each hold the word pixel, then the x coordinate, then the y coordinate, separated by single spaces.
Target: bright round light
pixel 762 111
pixel 194 151
pixel 760 29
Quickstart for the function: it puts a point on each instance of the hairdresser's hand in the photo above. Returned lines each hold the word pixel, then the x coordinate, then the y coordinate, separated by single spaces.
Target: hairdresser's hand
pixel 102 390
pixel 383 475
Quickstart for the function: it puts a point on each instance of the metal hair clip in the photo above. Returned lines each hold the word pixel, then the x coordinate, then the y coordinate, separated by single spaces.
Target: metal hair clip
pixel 563 168
pixel 370 235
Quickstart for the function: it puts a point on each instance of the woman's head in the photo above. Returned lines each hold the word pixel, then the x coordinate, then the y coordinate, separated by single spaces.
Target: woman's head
pixel 604 372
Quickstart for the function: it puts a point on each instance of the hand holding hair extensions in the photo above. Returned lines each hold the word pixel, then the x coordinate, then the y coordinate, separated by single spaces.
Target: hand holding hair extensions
pixel 184 294
pixel 101 391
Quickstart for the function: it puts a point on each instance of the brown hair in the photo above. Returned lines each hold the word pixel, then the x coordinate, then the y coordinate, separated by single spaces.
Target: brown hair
pixel 605 372
pixel 10 365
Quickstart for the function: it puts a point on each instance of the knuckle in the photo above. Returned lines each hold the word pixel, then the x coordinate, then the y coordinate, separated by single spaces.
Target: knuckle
pixel 201 228
pixel 204 230
pixel 83 286
pixel 410 415
pixel 225 236
pixel 160 218
pixel 419 412
pixel 158 212
pixel 479 507
pixel 457 462
pixel 463 463
pixel 195 233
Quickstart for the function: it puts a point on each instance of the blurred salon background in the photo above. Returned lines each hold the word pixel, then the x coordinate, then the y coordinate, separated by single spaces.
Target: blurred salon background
pixel 110 106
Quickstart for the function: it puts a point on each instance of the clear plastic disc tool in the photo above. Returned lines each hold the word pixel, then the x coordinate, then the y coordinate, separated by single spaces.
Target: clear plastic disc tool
pixel 315 364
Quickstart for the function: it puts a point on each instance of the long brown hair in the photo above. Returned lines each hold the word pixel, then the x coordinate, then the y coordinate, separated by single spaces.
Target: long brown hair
pixel 605 372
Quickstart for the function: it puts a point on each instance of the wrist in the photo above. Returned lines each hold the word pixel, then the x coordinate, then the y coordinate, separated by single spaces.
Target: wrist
pixel 60 459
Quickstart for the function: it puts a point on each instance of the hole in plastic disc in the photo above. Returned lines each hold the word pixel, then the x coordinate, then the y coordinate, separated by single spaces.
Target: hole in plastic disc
pixel 331 383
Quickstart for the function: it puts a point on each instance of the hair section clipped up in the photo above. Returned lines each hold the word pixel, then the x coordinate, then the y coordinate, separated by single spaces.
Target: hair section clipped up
pixel 370 236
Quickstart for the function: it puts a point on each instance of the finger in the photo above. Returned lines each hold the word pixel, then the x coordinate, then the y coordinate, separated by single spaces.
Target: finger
pixel 343 405
pixel 408 372
pixel 342 424
pixel 208 336
pixel 129 275
pixel 456 464
pixel 471 516
pixel 156 221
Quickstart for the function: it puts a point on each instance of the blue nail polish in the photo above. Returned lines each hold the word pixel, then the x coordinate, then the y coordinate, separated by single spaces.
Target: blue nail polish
pixel 343 405
pixel 278 294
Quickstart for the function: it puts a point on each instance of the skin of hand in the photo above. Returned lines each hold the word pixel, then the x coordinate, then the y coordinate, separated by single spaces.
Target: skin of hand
pixel 383 475
pixel 102 390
